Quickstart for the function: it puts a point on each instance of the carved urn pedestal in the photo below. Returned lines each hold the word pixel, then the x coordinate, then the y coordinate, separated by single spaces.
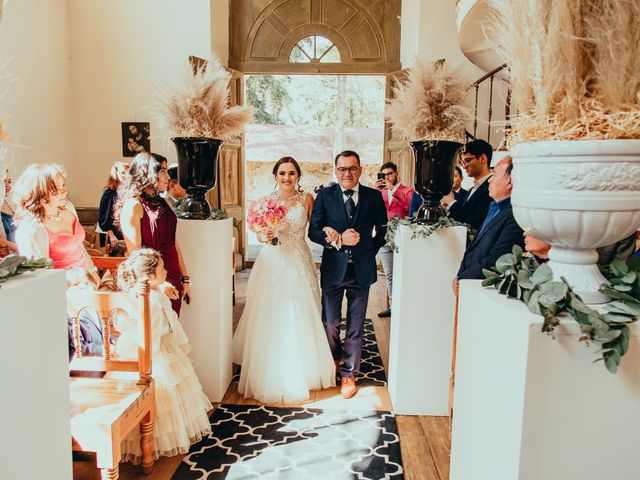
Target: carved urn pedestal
pixel 577 195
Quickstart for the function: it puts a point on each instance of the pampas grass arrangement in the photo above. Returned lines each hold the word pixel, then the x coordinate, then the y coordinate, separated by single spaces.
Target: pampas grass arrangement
pixel 199 105
pixel 575 68
pixel 431 104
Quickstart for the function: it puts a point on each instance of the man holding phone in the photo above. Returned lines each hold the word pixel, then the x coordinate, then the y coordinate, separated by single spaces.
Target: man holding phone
pixel 397 199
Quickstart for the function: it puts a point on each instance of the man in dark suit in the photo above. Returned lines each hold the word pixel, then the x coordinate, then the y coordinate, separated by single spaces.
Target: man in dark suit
pixel 473 208
pixel 343 221
pixel 499 231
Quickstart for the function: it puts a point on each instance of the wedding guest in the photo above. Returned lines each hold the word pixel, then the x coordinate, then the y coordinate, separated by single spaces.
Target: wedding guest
pixel 7 227
pixel 473 209
pixel 181 405
pixel 48 225
pixel 623 249
pixel 89 321
pixel 397 198
pixel 146 220
pixel 459 193
pixel 108 200
pixel 174 191
pixel 499 231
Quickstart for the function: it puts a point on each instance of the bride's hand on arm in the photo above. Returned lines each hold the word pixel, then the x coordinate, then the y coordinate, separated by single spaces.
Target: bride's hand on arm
pixel 169 290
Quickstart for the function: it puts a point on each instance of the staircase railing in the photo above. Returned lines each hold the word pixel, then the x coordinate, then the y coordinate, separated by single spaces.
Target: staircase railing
pixel 488 77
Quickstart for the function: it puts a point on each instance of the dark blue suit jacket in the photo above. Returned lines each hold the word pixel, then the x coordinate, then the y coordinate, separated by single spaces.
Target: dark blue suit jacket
pixel 472 210
pixel 498 238
pixel 329 211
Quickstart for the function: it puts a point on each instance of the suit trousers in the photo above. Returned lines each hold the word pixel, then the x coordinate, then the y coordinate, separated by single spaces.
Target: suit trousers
pixel 385 254
pixel 357 297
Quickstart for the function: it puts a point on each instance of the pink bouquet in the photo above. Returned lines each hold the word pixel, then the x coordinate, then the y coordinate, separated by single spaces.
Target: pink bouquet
pixel 266 216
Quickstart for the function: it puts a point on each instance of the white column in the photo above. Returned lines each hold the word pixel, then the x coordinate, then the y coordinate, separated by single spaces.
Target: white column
pixel 207 250
pixel 35 431
pixel 531 407
pixel 421 342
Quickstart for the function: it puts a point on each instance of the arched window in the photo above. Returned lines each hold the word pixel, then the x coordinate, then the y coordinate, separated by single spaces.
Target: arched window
pixel 314 49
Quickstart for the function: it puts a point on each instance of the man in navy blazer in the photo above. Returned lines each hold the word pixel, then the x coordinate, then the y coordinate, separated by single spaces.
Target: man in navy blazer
pixel 473 208
pixel 349 221
pixel 499 231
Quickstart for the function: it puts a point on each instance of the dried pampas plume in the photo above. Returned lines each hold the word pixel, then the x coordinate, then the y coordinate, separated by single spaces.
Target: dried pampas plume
pixel 199 105
pixel 574 67
pixel 431 104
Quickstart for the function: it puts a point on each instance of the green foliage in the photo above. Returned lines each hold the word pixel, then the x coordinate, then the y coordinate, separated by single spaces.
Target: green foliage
pixel 13 265
pixel 523 278
pixel 216 213
pixel 268 95
pixel 418 230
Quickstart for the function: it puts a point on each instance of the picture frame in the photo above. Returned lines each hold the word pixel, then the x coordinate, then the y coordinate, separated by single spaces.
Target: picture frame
pixel 135 138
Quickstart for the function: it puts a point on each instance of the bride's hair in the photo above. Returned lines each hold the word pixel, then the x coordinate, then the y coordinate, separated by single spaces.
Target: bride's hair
pixel 293 162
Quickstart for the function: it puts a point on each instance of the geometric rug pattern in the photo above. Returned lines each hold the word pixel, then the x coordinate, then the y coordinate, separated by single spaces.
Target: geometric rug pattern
pixel 371 368
pixel 257 442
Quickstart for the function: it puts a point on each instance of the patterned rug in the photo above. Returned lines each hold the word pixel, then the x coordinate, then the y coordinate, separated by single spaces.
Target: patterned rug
pixel 371 368
pixel 251 442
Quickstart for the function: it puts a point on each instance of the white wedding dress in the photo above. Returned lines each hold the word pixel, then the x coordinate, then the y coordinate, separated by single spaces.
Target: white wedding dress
pixel 280 341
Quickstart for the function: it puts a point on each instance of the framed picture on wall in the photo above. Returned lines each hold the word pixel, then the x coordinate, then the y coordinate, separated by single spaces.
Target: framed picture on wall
pixel 135 138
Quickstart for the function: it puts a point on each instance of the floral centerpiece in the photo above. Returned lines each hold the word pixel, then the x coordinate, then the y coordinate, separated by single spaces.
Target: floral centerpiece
pixel 430 110
pixel 266 219
pixel 575 83
pixel 197 116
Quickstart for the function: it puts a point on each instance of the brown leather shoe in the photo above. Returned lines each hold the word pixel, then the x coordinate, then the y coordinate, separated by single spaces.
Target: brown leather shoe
pixel 348 387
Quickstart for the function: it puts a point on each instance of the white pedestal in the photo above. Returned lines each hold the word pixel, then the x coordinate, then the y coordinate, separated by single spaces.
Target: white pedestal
pixel 421 342
pixel 207 251
pixel 35 432
pixel 528 407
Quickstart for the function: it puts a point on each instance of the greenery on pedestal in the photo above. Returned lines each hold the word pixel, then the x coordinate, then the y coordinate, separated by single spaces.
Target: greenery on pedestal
pixel 216 213
pixel 522 277
pixel 13 265
pixel 418 230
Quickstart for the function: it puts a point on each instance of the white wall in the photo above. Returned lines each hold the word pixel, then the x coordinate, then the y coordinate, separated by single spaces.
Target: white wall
pixel 120 51
pixel 35 106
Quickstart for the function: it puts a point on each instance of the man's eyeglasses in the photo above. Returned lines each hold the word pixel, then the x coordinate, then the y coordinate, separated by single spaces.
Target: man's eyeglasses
pixel 351 170
pixel 387 174
pixel 466 160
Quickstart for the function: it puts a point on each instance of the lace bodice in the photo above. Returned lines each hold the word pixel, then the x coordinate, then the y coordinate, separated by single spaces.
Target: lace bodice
pixel 295 220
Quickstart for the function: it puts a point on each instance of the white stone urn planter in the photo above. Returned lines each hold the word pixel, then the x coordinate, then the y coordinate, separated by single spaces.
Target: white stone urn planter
pixel 577 195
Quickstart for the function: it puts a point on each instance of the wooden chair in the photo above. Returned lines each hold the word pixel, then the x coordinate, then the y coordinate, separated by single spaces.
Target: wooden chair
pixel 104 411
pixel 103 263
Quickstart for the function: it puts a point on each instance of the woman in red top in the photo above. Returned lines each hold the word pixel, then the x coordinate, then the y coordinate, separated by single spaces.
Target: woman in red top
pixel 146 220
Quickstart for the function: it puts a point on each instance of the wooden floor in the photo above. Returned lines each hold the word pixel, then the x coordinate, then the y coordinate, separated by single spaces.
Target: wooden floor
pixel 424 441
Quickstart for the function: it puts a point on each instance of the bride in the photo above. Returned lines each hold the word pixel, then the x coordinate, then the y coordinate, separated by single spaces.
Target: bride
pixel 280 341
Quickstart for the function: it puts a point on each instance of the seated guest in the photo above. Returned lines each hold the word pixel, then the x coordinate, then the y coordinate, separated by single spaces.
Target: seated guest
pixel 622 249
pixel 48 226
pixel 7 228
pixel 89 320
pixel 174 191
pixel 473 209
pixel 459 193
pixel 108 201
pixel 499 231
pixel 397 198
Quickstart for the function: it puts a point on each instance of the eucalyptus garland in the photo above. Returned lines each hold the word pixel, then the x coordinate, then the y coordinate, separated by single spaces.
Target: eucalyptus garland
pixel 216 213
pixel 418 230
pixel 522 277
pixel 13 265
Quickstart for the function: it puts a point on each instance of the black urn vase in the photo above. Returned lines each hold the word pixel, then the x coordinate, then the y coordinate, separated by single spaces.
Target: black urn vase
pixel 434 164
pixel 197 170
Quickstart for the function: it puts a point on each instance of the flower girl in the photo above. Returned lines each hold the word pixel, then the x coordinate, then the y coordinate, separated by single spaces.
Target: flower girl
pixel 181 405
